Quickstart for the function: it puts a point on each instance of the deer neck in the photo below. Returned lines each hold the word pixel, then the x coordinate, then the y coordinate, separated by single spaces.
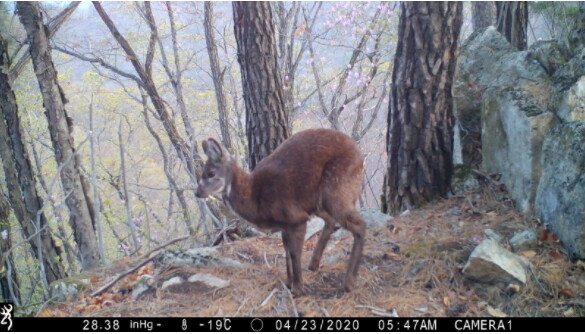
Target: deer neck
pixel 238 194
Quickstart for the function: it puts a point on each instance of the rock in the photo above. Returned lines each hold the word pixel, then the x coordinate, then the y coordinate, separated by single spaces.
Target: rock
pixel 492 234
pixel 143 286
pixel 513 129
pixel 197 258
pixel 491 263
pixel 560 197
pixel 568 89
pixel 487 60
pixel 551 55
pixel 375 218
pixel 571 102
pixel 331 259
pixel 523 241
pixel 68 288
pixel 463 180
pixel 209 280
pixel 173 281
pixel 314 225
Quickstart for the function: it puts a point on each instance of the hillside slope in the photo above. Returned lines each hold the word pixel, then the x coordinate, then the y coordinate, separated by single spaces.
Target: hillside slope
pixel 412 267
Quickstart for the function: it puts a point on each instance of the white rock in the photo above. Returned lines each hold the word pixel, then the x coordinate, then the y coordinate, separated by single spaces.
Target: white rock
pixel 173 281
pixel 209 280
pixel 491 263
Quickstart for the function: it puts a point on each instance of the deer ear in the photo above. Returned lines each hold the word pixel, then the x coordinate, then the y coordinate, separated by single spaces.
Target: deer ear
pixel 213 150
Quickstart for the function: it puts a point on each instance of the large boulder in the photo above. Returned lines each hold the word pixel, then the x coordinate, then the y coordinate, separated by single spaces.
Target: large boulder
pixel 560 199
pixel 551 55
pixel 569 89
pixel 513 129
pixel 488 60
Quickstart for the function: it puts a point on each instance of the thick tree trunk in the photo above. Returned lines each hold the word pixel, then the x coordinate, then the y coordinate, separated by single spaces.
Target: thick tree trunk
pixel 266 119
pixel 78 196
pixel 20 177
pixel 512 22
pixel 483 14
pixel 420 118
pixel 217 76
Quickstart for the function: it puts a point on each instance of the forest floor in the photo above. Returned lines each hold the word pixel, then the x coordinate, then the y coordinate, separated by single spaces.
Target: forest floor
pixel 410 268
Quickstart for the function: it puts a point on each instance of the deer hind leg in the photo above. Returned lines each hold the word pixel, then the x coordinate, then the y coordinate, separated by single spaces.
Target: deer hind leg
pixel 328 229
pixel 357 226
pixel 293 239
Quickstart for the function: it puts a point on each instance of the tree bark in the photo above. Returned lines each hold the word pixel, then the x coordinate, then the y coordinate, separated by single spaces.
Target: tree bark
pixel 60 127
pixel 512 22
pixel 483 14
pixel 217 76
pixel 20 179
pixel 5 245
pixel 266 119
pixel 420 118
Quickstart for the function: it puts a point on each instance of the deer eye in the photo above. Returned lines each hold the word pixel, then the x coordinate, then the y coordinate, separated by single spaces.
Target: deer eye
pixel 210 174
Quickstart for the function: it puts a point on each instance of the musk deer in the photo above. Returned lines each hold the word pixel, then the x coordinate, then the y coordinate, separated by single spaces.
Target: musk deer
pixel 314 172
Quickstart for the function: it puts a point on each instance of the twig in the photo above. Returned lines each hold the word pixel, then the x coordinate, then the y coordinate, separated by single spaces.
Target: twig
pixel 487 177
pixel 370 308
pixel 120 276
pixel 292 301
pixel 393 314
pixel 241 305
pixel 166 244
pixel 265 301
pixel 379 311
pixel 131 270
pixel 266 260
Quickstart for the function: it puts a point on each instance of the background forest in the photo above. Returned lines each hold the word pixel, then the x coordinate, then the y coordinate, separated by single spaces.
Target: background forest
pixel 136 128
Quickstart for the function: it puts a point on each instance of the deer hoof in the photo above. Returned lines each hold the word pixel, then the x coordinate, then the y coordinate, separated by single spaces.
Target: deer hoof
pixel 348 286
pixel 298 291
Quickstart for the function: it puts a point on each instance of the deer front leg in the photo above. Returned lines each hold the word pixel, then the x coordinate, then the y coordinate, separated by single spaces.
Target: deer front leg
pixel 289 270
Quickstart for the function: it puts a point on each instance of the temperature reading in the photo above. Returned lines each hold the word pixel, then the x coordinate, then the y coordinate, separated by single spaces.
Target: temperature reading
pixel 220 324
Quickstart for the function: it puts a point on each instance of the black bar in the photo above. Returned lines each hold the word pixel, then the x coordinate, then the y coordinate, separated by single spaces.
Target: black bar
pixel 296 324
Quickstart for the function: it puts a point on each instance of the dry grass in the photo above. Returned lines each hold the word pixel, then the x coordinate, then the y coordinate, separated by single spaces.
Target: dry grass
pixel 413 267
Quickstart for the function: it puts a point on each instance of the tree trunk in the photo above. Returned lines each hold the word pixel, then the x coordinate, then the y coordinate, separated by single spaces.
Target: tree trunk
pixel 217 76
pixel 266 119
pixel 78 197
pixel 420 119
pixel 483 14
pixel 5 245
pixel 20 179
pixel 512 22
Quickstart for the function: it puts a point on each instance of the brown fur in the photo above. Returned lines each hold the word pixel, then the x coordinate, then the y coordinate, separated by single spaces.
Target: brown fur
pixel 315 172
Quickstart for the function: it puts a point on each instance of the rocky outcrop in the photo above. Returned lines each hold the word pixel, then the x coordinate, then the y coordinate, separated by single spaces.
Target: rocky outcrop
pixel 513 129
pixel 560 199
pixel 487 60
